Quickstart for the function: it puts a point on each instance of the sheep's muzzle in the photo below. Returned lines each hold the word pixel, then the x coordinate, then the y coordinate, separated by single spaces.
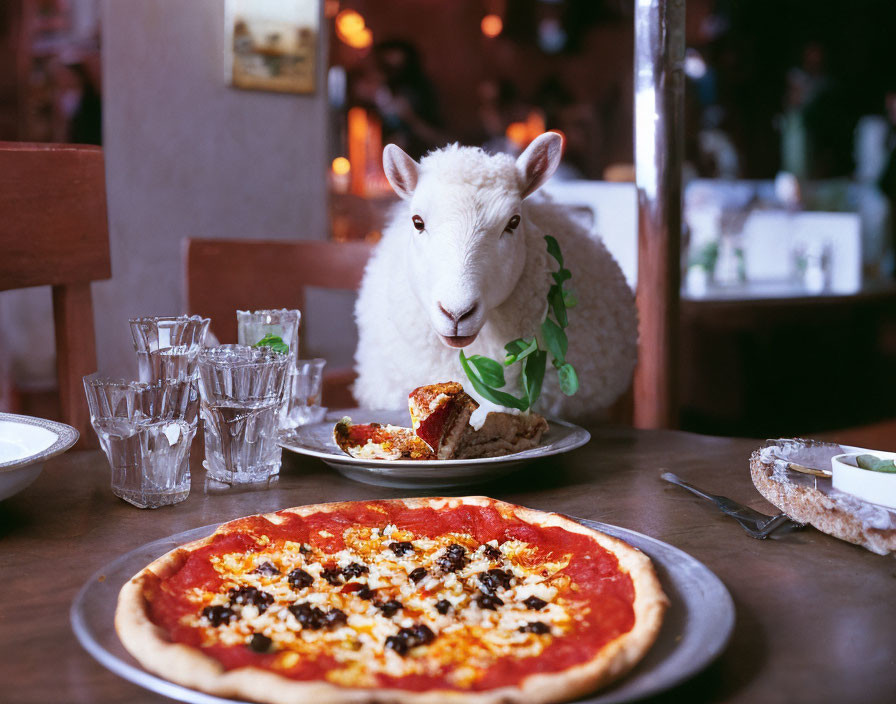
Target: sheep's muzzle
pixel 458 341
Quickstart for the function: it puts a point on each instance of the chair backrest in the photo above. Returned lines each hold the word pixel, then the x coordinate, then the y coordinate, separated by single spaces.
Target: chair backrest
pixel 226 275
pixel 54 231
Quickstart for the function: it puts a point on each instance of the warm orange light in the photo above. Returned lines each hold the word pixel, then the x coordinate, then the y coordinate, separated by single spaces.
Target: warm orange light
pixel 358 126
pixel 518 133
pixel 362 39
pixel 491 26
pixel 351 29
pixel 349 22
pixel 341 166
pixel 534 123
pixel 522 133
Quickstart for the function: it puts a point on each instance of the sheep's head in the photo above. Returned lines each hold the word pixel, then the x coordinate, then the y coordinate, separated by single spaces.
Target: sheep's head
pixel 466 233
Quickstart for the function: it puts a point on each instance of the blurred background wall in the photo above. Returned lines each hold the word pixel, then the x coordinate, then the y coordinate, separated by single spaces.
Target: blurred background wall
pixel 189 156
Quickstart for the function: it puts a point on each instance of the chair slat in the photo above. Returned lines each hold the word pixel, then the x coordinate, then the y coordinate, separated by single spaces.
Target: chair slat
pixel 53 226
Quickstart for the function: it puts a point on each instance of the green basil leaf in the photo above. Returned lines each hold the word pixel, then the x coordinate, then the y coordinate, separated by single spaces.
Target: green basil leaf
pixel 555 300
pixel 533 375
pixel 516 346
pixel 490 371
pixel 502 398
pixel 569 299
pixel 876 464
pixel 561 276
pixel 519 349
pixel 555 339
pixel 554 249
pixel 569 380
pixel 513 349
pixel 275 342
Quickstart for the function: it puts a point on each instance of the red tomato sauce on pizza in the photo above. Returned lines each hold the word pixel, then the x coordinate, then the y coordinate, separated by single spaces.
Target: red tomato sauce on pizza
pixel 482 574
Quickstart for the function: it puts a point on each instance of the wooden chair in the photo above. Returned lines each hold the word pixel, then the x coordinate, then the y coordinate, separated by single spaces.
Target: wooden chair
pixel 54 231
pixel 226 275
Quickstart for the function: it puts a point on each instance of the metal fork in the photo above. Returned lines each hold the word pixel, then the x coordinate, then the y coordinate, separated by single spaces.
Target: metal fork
pixel 757 525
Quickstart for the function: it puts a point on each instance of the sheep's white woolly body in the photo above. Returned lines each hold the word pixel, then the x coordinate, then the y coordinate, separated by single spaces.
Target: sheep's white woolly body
pixel 398 348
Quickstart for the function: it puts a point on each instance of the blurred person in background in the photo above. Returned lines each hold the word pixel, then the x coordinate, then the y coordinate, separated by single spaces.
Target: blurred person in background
pixel 875 156
pixel 575 119
pixel 406 99
pixel 86 125
pixel 816 127
pixel 500 105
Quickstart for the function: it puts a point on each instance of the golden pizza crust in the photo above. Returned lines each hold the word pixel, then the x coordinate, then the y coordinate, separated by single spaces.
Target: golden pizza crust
pixel 190 667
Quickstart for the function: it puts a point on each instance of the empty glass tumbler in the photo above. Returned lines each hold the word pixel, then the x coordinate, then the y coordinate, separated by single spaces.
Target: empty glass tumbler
pixel 168 347
pixel 146 430
pixel 305 386
pixel 242 390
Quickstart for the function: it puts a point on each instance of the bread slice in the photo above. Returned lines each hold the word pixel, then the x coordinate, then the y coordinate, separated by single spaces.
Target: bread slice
pixel 502 434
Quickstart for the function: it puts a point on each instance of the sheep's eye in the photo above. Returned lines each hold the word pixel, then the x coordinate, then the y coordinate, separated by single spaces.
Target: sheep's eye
pixel 512 223
pixel 418 223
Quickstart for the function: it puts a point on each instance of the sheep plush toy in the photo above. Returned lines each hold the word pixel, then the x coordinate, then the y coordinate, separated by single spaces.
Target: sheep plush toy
pixel 463 264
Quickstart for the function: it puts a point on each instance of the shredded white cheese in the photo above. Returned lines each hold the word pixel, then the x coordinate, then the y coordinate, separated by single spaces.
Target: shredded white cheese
pixel 468 638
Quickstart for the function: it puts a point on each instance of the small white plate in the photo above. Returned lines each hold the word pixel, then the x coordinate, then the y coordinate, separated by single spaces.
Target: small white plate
pixel 316 440
pixel 874 487
pixel 25 443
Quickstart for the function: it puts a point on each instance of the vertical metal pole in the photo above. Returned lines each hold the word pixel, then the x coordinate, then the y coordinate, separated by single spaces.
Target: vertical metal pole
pixel 659 119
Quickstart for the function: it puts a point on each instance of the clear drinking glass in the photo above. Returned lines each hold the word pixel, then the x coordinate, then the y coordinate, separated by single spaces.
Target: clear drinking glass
pixel 146 430
pixel 305 384
pixel 242 390
pixel 168 347
pixel 253 326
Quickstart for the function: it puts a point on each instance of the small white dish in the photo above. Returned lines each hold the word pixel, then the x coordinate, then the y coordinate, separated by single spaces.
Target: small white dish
pixel 25 444
pixel 316 440
pixel 875 487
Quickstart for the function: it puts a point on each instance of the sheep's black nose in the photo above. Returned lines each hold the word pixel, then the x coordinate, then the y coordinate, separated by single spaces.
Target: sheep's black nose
pixel 457 317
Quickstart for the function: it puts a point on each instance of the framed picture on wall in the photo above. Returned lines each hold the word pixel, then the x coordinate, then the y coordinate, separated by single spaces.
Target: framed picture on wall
pixel 272 44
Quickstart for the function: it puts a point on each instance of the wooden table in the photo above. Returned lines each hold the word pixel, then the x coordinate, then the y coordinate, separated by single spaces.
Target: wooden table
pixel 816 617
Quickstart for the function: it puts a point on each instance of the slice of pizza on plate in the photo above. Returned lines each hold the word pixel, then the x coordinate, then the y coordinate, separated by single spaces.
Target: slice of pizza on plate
pixel 440 416
pixel 441 429
pixel 373 441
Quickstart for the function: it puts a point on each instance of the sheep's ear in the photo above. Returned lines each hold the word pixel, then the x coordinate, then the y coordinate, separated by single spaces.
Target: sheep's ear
pixel 539 162
pixel 401 170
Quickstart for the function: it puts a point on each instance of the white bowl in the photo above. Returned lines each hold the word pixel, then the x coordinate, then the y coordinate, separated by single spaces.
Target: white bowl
pixel 25 444
pixel 874 487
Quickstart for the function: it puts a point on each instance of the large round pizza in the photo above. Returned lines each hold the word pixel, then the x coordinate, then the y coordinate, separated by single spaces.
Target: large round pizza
pixel 415 600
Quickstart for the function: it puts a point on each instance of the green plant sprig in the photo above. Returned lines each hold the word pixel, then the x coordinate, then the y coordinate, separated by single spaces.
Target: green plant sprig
pixel 275 342
pixel 876 464
pixel 487 375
